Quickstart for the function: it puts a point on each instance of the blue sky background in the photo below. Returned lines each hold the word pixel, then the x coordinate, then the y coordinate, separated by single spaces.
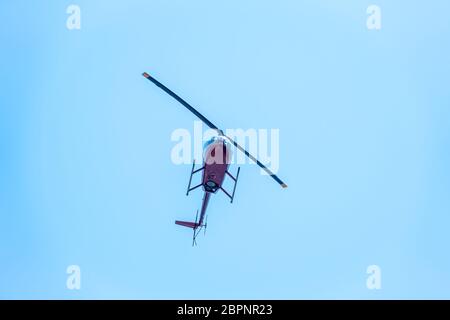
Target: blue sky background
pixel 86 176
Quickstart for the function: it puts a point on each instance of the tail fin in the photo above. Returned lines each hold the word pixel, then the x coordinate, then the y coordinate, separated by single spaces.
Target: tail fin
pixel 187 224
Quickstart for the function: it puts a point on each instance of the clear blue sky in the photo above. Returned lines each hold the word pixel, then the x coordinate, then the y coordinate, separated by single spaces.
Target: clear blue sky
pixel 86 176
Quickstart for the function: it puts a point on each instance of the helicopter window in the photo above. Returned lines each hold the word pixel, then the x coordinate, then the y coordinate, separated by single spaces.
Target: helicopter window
pixel 210 141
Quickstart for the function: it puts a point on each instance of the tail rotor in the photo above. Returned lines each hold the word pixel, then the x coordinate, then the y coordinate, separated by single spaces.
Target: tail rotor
pixel 194 235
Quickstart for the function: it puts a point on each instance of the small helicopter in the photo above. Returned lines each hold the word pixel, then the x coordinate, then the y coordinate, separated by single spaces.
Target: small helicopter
pixel 217 155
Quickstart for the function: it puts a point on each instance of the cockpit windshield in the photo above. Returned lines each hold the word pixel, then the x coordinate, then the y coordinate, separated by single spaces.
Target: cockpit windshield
pixel 210 141
pixel 217 141
pixel 214 139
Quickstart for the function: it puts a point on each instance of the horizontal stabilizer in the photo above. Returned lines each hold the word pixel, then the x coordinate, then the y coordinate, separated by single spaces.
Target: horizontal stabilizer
pixel 192 225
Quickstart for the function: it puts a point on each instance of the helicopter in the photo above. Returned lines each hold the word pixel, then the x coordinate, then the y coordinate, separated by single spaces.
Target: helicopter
pixel 214 169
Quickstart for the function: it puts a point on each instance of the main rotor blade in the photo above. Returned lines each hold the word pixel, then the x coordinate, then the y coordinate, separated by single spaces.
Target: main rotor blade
pixel 212 126
pixel 184 103
pixel 267 170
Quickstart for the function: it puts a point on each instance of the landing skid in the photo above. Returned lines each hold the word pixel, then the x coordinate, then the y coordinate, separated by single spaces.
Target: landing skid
pixel 189 189
pixel 231 196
